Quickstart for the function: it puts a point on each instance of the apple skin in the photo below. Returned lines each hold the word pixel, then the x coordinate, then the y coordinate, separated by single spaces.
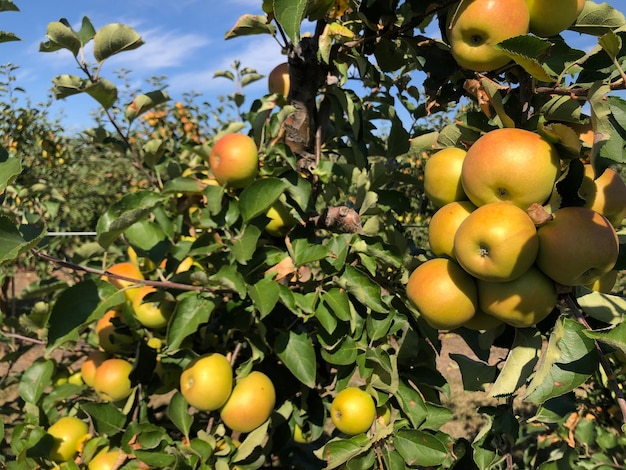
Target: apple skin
pixel 234 160
pixel 151 314
pixel 512 165
pixel 522 302
pixel 550 17
pixel 105 460
pixel 478 25
pixel 497 242
pixel 444 294
pixel 278 80
pixel 577 247
pixel 444 224
pixel 207 382
pixel 250 404
pixel 112 381
pixel 606 283
pixel 69 433
pixel 353 411
pixel 442 176
pixel 482 321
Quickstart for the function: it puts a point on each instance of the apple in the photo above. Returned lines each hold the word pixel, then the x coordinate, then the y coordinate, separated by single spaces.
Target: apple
pixel 605 194
pixel 111 381
pixel 522 302
pixel 281 221
pixel 512 165
pixel 444 294
pixel 353 411
pixel 442 176
pixel 300 436
pixel 250 404
pixel 234 160
pixel 476 26
pixel 278 80
pixel 482 322
pixel 129 270
pixel 107 460
pixel 69 434
pixel 577 247
pixel 91 364
pixel 550 17
pixel 207 382
pixel 444 224
pixel 154 312
pixel 114 335
pixel 605 283
pixel 497 242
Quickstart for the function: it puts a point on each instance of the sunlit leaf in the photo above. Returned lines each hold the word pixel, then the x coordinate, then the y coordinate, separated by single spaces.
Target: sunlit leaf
pixel 113 39
pixel 297 353
pixel 420 448
pixel 598 18
pixel 191 311
pixel 63 36
pixel 145 102
pixel 289 14
pixel 178 413
pixel 337 451
pixel 528 51
pixel 259 196
pixel 251 24
pixel 265 294
pixel 37 377
pixel 15 240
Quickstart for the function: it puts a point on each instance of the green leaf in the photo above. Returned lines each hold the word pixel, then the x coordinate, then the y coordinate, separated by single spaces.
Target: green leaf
pixel 289 14
pixel 86 32
pixel 420 448
pixel 229 278
pixel 304 252
pixel 265 294
pixel 145 102
pixel 178 413
pixel 253 442
pixel 259 196
pixel 6 36
pixel 191 311
pixel 611 43
pixel 344 354
pixel 17 240
pixel 614 337
pixel 104 92
pixel 501 432
pixel 412 403
pixel 245 244
pixel 476 375
pixel 597 19
pixel 63 36
pixel 338 303
pixel 35 380
pixel 366 291
pixel 520 362
pixel 297 353
pixel 248 25
pixel 528 52
pixel 568 361
pixel 338 451
pixel 8 5
pixel 113 39
pixel 604 307
pixel 107 418
pixel 124 213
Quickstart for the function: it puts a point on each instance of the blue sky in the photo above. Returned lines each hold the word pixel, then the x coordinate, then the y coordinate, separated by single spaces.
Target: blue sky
pixel 184 40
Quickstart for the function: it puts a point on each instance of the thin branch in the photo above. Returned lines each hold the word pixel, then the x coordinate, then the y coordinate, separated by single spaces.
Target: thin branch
pixel 580 92
pixel 606 366
pixel 26 339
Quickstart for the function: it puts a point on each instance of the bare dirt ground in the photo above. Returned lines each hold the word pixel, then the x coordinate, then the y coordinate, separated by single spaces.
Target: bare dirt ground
pixel 465 424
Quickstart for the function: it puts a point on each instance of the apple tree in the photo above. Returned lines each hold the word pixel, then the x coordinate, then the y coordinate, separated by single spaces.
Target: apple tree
pixel 300 282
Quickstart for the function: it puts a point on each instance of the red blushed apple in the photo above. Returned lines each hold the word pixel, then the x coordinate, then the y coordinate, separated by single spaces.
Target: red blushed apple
pixel 234 160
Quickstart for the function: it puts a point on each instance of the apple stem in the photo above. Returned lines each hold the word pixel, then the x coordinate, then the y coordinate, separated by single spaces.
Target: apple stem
pixel 606 366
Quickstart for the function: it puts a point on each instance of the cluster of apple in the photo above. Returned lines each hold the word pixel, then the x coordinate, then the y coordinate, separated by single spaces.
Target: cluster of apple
pixel 476 26
pixel 501 241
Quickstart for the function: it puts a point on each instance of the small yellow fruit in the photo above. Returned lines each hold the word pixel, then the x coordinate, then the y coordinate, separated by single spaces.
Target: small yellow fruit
pixel 88 369
pixel 353 411
pixel 112 381
pixel 250 404
pixel 69 434
pixel 106 460
pixel 152 313
pixel 281 221
pixel 442 176
pixel 207 382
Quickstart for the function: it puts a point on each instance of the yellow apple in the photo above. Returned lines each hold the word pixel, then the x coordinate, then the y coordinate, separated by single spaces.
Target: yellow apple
pixel 278 80
pixel 281 221
pixel 152 312
pixel 497 242
pixel 250 404
pixel 111 381
pixel 234 160
pixel 444 224
pixel 476 26
pixel 550 17
pixel 88 368
pixel 353 411
pixel 577 247
pixel 512 165
pixel 522 302
pixel 114 335
pixel 481 322
pixel 299 435
pixel 605 283
pixel 442 176
pixel 107 460
pixel 605 194
pixel 69 433
pixel 127 270
pixel 444 294
pixel 207 382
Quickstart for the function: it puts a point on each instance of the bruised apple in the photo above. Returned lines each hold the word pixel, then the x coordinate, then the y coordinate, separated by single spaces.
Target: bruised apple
pixel 234 160
pixel 444 294
pixel 550 17
pixel 250 404
pixel 476 26
pixel 353 411
pixel 497 242
pixel 522 302
pixel 444 224
pixel 513 165
pixel 442 176
pixel 112 380
pixel 577 247
pixel 207 382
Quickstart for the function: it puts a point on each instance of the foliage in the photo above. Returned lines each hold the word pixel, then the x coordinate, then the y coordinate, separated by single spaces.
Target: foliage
pixel 324 307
